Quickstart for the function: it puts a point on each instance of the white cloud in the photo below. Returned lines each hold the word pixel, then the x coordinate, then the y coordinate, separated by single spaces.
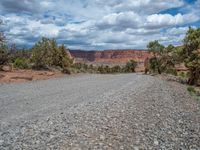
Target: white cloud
pixel 148 6
pixel 177 31
pixel 197 3
pixel 160 20
pixel 91 24
pixel 120 21
pixel 164 20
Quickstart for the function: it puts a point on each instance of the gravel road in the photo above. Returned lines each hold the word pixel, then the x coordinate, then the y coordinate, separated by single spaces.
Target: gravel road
pixel 125 111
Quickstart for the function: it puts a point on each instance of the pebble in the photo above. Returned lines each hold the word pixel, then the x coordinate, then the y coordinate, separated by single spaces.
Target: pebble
pixel 156 142
pixel 1 142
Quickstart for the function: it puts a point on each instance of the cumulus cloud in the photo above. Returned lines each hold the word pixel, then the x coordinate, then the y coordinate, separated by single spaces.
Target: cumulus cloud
pixel 11 6
pixel 177 31
pixel 120 21
pixel 163 20
pixel 197 3
pixel 148 6
pixel 98 24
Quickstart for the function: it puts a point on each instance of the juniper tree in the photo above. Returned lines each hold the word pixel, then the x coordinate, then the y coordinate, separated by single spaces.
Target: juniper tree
pixel 162 59
pixel 47 53
pixel 191 54
pixel 156 49
pixel 130 66
pixel 3 49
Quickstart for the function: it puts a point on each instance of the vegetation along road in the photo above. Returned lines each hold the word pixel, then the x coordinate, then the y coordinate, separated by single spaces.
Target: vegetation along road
pixel 124 111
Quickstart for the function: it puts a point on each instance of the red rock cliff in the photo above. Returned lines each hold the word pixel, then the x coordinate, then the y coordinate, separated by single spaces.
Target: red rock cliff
pixel 110 56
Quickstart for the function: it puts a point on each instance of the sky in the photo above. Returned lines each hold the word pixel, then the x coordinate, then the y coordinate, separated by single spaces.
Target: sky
pixel 99 24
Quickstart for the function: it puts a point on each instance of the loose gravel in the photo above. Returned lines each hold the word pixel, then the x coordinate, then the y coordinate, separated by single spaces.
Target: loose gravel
pixel 126 111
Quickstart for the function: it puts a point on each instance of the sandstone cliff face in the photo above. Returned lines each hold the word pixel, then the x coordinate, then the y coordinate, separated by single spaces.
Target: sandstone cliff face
pixel 110 56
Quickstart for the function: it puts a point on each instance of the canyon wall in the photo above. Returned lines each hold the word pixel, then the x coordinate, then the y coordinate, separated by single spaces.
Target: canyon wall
pixel 109 57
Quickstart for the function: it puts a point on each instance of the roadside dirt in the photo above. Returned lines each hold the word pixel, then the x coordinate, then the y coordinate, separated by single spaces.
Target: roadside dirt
pixel 18 76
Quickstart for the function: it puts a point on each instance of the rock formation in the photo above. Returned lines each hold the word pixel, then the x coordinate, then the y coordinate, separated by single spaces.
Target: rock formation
pixel 119 57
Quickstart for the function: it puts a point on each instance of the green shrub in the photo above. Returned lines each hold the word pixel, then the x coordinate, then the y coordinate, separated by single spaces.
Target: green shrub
pixel 171 71
pixel 194 92
pixel 72 70
pixel 101 69
pixel 20 63
pixel 47 53
pixel 130 66
pixel 3 49
pixel 155 65
pixel 3 55
pixel 77 65
pixel 116 69
pixel 91 67
pixel 191 90
pixel 83 68
pixel 67 71
pixel 182 74
pixel 191 55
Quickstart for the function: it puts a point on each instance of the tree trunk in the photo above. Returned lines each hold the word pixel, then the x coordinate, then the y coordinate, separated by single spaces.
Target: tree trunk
pixel 146 70
pixel 1 67
pixel 159 71
pixel 194 77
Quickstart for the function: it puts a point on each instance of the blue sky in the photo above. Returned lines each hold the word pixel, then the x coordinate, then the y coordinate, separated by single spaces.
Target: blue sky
pixel 99 24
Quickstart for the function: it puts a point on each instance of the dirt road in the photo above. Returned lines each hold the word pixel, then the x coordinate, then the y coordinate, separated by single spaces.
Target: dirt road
pixel 125 111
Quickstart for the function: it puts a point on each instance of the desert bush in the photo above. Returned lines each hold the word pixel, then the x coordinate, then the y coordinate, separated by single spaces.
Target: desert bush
pixel 47 53
pixel 116 69
pixel 64 60
pixel 171 71
pixel 91 67
pixel 163 59
pixel 107 69
pixel 191 90
pixel 194 92
pixel 14 53
pixel 130 66
pixel 73 70
pixel 156 49
pixel 3 49
pixel 77 65
pixel 84 68
pixel 183 74
pixel 21 63
pixel 154 65
pixel 191 55
pixel 2 36
pixel 67 71
pixel 100 69
pixel 3 55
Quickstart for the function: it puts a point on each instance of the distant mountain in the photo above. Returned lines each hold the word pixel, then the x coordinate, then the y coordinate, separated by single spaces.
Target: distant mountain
pixel 119 57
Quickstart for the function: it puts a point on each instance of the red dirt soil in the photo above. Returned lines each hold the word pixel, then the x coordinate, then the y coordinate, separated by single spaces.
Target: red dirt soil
pixel 18 76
